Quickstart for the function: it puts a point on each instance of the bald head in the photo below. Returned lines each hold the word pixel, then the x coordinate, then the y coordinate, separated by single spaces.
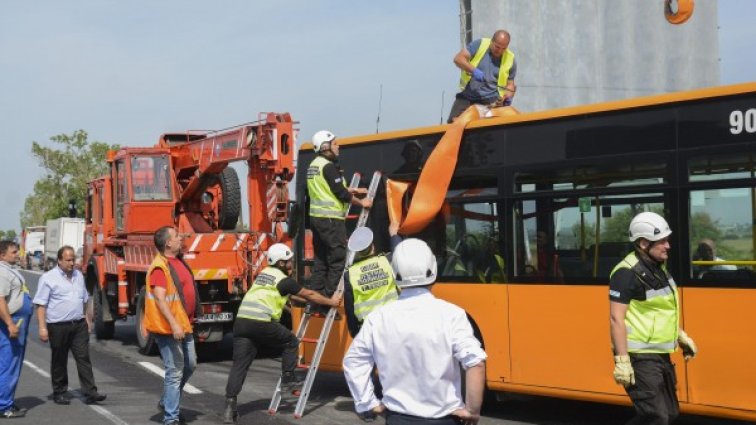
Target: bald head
pixel 499 43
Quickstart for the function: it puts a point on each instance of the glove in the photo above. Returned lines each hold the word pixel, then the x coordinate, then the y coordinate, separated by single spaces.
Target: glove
pixel 478 75
pixel 687 345
pixel 623 371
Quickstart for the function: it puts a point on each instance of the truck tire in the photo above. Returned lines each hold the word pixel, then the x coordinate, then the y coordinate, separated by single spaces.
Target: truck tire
pixel 230 206
pixel 145 341
pixel 104 329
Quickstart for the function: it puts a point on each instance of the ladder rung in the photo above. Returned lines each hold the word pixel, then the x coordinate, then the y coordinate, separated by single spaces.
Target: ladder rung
pixel 352 216
pixel 310 340
pixel 303 366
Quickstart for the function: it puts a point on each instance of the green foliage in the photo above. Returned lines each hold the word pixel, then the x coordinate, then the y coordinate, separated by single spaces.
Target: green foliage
pixel 8 234
pixel 68 170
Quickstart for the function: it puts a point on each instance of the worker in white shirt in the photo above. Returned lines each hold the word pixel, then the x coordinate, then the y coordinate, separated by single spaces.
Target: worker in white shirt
pixel 417 329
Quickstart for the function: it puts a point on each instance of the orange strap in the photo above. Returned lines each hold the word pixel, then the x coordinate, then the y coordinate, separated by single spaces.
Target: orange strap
pixel 431 187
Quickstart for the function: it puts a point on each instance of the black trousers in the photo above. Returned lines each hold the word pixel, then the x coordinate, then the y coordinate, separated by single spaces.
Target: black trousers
pixel 70 336
pixel 393 418
pixel 653 394
pixel 329 241
pixel 249 336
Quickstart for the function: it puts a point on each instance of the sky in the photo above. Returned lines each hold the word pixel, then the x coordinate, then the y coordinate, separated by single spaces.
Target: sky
pixel 128 71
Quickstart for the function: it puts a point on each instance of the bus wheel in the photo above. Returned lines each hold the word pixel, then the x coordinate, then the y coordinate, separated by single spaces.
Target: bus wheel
pixel 145 341
pixel 104 329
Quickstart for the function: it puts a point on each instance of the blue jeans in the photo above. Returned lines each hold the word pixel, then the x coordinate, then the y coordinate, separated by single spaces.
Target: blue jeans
pixel 179 360
pixel 12 354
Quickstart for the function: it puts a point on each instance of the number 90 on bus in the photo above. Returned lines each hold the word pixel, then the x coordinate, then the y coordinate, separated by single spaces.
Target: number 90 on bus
pixel 743 121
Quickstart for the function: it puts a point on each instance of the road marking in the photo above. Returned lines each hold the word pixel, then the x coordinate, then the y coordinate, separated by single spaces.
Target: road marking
pixel 108 415
pixel 35 368
pixel 99 409
pixel 188 388
pixel 38 273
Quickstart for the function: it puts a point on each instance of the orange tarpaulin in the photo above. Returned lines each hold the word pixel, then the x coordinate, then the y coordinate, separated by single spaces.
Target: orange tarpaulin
pixel 434 180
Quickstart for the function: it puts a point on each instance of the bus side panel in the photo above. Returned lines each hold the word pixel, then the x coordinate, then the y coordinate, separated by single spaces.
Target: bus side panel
pixel 487 305
pixel 721 321
pixel 560 337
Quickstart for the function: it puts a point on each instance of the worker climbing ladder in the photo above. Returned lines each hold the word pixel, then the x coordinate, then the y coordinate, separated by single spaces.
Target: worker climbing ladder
pixel 325 331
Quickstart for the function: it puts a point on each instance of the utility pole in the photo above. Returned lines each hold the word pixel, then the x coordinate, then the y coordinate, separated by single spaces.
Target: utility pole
pixel 380 100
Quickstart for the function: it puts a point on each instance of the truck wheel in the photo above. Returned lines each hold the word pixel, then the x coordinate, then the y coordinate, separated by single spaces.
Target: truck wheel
pixel 228 214
pixel 103 329
pixel 145 341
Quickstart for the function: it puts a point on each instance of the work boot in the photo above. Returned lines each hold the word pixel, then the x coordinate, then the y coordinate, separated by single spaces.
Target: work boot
pixel 230 415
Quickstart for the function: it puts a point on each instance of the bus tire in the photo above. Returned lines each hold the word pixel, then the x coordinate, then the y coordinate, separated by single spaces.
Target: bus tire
pixel 145 341
pixel 104 329
pixel 230 205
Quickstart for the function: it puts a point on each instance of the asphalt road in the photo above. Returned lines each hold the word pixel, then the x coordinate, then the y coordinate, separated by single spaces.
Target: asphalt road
pixel 133 386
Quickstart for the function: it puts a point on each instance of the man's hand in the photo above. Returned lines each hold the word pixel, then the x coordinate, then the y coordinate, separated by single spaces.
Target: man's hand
pixel 43 335
pixel 466 417
pixel 687 345
pixel 12 330
pixel 336 299
pixel 178 332
pixel 623 371
pixel 478 75
pixel 366 203
pixel 379 409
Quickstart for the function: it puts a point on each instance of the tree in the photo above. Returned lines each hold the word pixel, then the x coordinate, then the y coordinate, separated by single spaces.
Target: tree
pixel 68 170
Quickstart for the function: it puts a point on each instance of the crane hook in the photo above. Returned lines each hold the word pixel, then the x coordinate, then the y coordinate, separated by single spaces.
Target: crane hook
pixel 678 11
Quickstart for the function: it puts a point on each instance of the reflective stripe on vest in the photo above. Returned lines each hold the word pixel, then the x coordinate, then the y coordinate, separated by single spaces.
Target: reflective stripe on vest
pixel 507 60
pixel 652 325
pixel 263 302
pixel 373 285
pixel 323 203
pixel 154 321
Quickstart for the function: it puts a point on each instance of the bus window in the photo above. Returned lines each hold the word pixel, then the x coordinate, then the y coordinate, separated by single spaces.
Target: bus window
pixel 556 239
pixel 473 248
pixel 722 242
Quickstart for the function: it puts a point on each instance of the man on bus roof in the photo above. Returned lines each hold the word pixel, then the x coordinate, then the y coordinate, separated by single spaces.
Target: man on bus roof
pixel 645 323
pixel 329 201
pixel 488 72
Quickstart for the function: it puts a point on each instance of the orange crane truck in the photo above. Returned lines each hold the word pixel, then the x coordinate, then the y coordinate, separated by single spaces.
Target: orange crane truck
pixel 186 181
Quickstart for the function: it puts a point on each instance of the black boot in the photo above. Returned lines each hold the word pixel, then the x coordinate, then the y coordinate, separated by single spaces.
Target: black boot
pixel 230 415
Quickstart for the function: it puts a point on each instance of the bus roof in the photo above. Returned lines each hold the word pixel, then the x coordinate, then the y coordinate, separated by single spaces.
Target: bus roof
pixel 595 108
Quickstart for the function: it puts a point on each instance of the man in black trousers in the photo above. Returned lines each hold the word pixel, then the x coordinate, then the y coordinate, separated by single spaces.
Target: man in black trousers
pixel 61 301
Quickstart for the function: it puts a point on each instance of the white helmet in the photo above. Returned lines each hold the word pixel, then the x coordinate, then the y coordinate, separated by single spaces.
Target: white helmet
pixel 414 264
pixel 650 226
pixel 278 252
pixel 361 239
pixel 322 136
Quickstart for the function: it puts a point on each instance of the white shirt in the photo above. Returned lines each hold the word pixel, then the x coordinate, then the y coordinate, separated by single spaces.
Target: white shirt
pixel 417 343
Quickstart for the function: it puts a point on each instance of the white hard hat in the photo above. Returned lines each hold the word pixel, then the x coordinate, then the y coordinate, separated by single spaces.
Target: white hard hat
pixel 278 252
pixel 322 136
pixel 361 239
pixel 414 264
pixel 650 226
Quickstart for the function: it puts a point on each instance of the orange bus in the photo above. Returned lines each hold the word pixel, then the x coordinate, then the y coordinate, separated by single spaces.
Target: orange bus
pixel 535 217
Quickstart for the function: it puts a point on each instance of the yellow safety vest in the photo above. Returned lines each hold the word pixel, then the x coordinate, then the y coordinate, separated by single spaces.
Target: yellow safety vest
pixel 154 321
pixel 507 60
pixel 263 302
pixel 323 203
pixel 373 285
pixel 652 325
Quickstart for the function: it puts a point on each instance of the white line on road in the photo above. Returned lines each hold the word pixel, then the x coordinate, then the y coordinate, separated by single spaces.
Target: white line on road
pixel 99 409
pixel 188 388
pixel 35 368
pixel 111 417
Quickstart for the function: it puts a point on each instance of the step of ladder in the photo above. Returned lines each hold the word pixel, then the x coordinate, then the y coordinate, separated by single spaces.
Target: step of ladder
pixel 325 331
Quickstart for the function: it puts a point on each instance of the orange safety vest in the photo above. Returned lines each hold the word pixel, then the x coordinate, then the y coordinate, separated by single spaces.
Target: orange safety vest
pixel 154 321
